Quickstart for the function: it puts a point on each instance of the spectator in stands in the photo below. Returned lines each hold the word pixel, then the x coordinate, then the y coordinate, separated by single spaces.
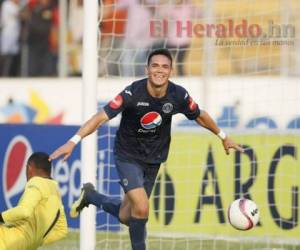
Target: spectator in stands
pixel 53 38
pixel 75 23
pixel 10 34
pixel 182 11
pixel 137 40
pixel 39 22
pixel 112 27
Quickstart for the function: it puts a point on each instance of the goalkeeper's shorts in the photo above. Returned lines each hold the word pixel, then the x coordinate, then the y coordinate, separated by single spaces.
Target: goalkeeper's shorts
pixel 135 174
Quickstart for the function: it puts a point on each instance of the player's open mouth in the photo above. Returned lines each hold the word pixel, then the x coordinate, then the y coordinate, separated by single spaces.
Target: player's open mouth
pixel 160 77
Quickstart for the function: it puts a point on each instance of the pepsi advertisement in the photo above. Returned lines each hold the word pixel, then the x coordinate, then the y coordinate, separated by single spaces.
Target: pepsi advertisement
pixel 18 142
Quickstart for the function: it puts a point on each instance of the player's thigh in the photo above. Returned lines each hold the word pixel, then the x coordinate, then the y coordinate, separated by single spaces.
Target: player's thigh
pixel 131 174
pixel 150 175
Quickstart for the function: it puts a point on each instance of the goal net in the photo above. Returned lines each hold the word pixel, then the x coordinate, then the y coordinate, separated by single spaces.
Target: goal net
pixel 240 60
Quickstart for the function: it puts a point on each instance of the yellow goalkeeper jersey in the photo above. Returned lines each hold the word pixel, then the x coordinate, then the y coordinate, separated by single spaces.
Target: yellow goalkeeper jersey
pixel 38 219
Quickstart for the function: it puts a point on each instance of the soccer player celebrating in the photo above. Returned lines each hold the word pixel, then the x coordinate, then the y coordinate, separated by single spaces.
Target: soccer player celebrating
pixel 39 217
pixel 142 142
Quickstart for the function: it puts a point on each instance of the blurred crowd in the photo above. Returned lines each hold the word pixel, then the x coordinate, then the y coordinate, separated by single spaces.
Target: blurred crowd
pixel 142 30
pixel 29 35
pixel 29 31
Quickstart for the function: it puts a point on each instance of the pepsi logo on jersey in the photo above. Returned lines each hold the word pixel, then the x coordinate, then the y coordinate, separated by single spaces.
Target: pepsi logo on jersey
pixel 151 120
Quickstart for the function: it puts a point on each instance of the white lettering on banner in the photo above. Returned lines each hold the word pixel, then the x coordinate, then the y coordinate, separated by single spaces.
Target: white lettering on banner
pixel 65 176
pixel 61 175
pixel 74 191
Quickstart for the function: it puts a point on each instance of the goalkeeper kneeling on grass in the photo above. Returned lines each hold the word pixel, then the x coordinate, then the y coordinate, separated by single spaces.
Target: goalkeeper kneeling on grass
pixel 39 217
pixel 142 142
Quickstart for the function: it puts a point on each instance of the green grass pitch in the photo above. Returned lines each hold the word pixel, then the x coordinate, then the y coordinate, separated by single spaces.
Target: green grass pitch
pixel 114 241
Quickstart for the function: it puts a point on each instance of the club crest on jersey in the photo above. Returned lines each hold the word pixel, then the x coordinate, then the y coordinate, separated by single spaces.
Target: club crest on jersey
pixel 151 120
pixel 116 102
pixel 192 104
pixel 167 108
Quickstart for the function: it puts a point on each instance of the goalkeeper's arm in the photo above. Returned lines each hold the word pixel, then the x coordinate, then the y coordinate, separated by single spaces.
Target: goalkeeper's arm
pixel 25 208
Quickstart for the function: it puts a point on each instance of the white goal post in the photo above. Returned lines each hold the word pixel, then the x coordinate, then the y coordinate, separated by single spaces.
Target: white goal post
pixel 89 97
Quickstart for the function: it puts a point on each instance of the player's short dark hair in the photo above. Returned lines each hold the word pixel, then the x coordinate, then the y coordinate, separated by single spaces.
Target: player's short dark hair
pixel 40 160
pixel 164 52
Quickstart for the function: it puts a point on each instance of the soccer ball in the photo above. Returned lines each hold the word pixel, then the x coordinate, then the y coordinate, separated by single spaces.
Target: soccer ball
pixel 243 214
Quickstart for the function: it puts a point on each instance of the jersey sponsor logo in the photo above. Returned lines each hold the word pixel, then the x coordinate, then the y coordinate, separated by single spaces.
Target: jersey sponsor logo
pixel 146 131
pixel 146 104
pixel 151 120
pixel 116 102
pixel 192 104
pixel 14 169
pixel 167 108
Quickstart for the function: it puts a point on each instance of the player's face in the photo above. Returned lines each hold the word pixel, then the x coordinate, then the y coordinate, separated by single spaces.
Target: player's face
pixel 159 70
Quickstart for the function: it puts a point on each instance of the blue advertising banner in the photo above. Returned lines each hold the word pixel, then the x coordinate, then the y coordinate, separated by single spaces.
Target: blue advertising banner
pixel 18 142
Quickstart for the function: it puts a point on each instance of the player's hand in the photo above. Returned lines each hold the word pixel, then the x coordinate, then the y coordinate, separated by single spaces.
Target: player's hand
pixel 228 144
pixel 65 151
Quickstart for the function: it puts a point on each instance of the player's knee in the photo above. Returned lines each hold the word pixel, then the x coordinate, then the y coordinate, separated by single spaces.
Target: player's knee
pixel 141 210
pixel 125 211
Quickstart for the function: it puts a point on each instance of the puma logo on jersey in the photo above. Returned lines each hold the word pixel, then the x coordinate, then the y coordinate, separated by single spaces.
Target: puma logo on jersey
pixel 128 92
pixel 146 104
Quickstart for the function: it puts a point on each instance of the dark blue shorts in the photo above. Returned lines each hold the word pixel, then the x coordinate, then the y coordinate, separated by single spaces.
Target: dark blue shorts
pixel 135 174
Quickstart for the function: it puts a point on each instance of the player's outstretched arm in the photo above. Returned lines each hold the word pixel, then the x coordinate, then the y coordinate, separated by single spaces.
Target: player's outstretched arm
pixel 206 121
pixel 87 128
pixel 25 208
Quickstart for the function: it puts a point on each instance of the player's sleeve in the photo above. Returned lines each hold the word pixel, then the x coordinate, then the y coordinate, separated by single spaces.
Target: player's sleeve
pixel 188 106
pixel 119 103
pixel 25 207
pixel 59 231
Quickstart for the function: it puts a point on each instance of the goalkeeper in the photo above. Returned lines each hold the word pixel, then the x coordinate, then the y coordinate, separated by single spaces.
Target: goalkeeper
pixel 142 142
pixel 39 217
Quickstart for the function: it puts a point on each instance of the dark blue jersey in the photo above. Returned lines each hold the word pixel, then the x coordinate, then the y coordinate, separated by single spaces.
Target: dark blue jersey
pixel 144 131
